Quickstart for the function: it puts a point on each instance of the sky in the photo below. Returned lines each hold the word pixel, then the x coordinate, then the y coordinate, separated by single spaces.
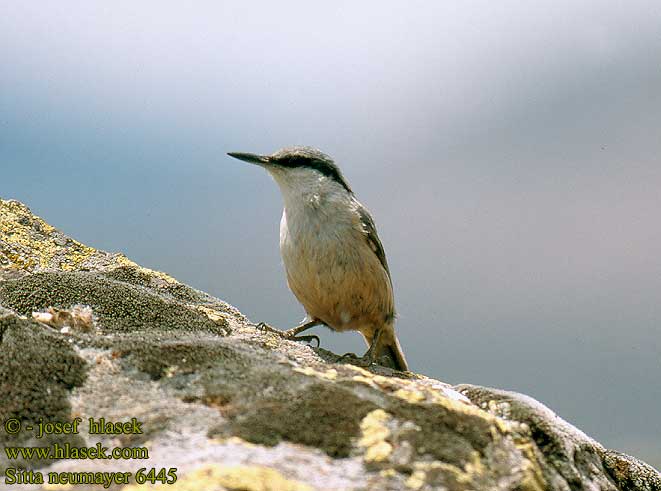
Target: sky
pixel 510 153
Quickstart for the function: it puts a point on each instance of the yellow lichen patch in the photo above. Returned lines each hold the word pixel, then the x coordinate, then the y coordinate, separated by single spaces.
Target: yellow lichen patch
pixel 374 435
pixel 416 480
pixel 213 477
pixel 368 378
pixel 213 315
pixel 415 392
pixel 362 380
pixel 409 395
pixel 330 374
pixel 385 382
pixel 533 477
pixel 474 467
pixel 374 427
pixel 76 254
pixel 452 473
pixel 270 340
pixel 32 243
pixel 122 260
pixel 389 384
pixel 461 407
pixel 361 371
pixel 379 452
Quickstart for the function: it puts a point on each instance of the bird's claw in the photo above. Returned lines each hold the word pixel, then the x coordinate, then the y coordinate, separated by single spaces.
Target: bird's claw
pixel 288 335
pixel 264 327
pixel 308 339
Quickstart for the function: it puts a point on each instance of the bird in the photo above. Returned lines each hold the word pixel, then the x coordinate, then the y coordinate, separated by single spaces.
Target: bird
pixel 334 260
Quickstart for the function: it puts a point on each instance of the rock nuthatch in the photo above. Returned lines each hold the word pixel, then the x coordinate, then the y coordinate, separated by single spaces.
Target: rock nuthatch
pixel 334 260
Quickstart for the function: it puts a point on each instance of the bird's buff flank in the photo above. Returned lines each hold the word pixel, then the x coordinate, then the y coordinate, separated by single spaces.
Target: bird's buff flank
pixel 335 263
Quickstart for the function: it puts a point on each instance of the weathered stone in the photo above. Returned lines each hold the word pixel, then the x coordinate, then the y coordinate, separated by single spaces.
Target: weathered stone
pixel 232 407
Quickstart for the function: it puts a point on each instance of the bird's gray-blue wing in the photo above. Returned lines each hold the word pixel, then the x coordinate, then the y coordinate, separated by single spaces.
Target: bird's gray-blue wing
pixel 372 237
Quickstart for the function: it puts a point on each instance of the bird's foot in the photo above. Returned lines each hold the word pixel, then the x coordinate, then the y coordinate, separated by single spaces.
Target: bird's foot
pixel 264 327
pixel 364 361
pixel 289 335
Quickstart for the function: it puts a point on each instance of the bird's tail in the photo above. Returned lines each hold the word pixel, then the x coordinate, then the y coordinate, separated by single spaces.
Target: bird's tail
pixel 388 351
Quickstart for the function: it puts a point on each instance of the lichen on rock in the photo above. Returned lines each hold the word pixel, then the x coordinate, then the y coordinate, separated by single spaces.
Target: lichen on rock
pixel 232 407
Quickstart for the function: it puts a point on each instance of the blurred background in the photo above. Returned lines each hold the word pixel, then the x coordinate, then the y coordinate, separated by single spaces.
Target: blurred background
pixel 509 151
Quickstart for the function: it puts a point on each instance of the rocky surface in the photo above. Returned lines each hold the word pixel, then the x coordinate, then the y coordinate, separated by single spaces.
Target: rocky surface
pixel 234 408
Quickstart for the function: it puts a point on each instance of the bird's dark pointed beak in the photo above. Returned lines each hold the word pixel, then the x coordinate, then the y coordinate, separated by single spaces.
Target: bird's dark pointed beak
pixel 250 157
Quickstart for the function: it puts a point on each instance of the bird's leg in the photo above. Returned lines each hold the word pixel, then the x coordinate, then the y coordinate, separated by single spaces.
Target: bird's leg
pixel 368 358
pixel 295 331
pixel 292 334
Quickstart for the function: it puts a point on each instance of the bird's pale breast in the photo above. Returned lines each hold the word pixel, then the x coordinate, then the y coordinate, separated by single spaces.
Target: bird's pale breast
pixel 332 270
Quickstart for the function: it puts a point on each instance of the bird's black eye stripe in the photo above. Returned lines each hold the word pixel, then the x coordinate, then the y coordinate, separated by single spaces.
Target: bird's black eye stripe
pixel 328 169
pixel 295 161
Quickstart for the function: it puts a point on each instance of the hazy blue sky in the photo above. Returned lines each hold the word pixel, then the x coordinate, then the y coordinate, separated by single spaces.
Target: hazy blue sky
pixel 509 151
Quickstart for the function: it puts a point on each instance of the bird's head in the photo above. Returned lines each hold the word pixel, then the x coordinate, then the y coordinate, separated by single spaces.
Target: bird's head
pixel 297 168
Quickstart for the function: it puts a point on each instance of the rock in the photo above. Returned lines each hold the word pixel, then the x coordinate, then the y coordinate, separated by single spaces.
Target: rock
pixel 231 407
